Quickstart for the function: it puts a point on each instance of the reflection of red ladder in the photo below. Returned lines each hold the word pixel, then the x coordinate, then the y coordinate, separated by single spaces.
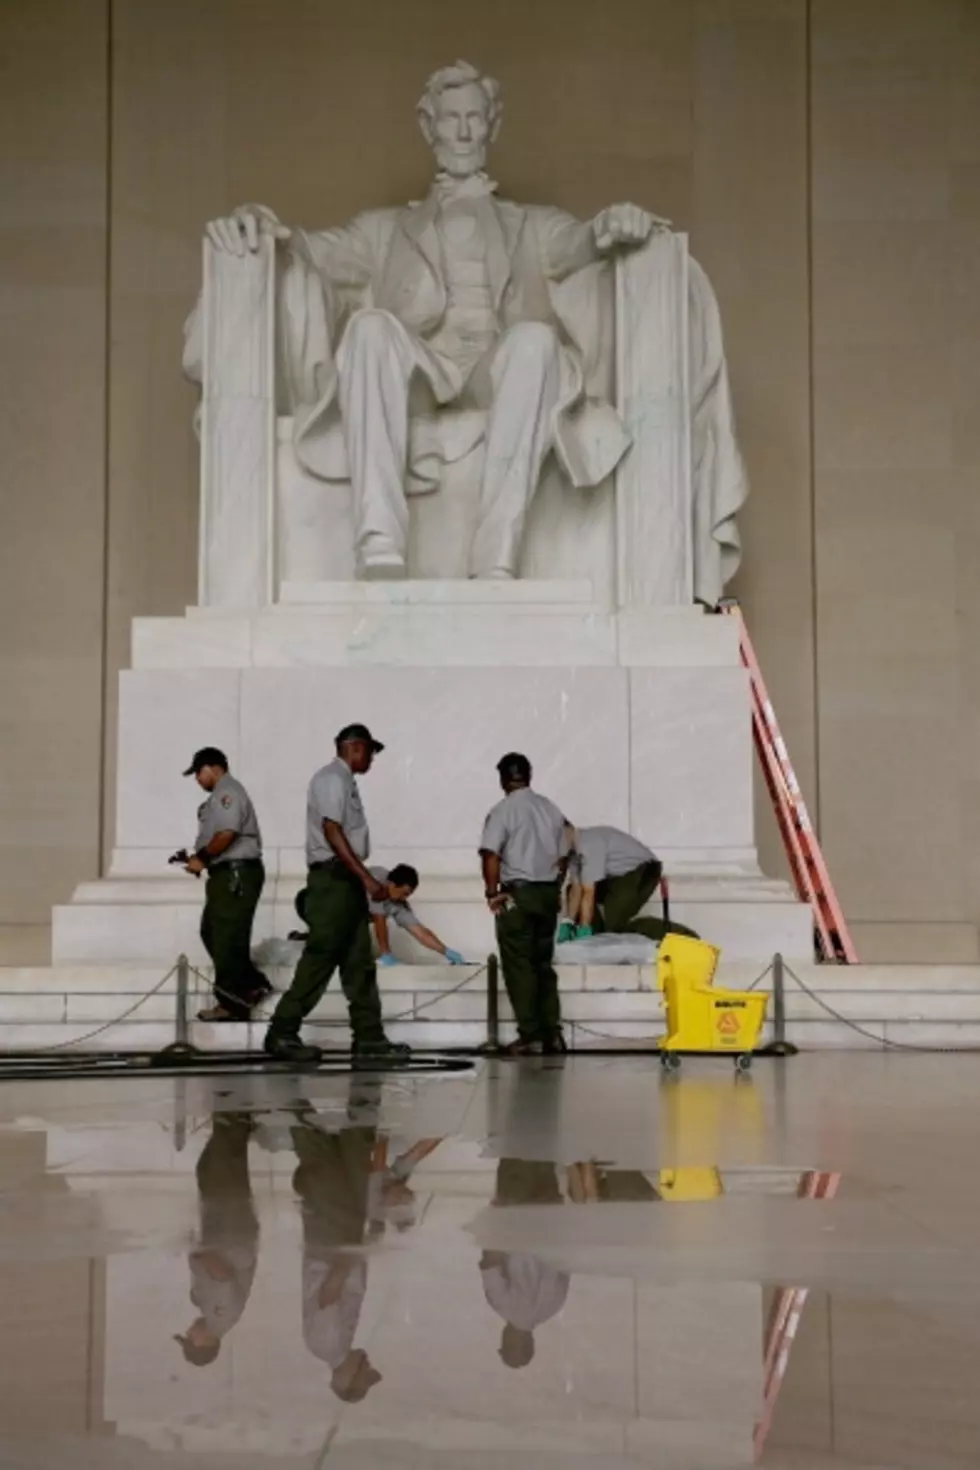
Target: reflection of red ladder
pixel 833 941
pixel 784 1319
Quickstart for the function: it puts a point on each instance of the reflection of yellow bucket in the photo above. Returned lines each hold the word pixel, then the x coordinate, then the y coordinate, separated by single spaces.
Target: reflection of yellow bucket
pixel 701 1017
pixel 679 1186
pixel 699 1119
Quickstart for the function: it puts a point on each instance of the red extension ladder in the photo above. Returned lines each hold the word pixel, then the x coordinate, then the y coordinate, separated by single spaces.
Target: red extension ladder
pixel 832 939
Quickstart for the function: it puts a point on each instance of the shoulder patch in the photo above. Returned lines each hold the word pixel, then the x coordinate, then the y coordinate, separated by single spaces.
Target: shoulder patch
pixel 227 799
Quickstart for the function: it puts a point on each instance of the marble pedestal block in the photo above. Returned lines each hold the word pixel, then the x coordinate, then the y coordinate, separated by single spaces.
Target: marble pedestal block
pixel 639 719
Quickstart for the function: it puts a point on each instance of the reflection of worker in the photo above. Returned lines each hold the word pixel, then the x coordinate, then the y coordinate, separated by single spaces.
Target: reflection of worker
pixel 391 1199
pixel 613 876
pixel 332 1182
pixel 522 850
pixel 524 1290
pixel 223 1262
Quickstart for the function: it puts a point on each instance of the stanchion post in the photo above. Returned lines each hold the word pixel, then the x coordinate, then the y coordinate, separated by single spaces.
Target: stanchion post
pixel 779 1046
pixel 493 1003
pixel 181 1024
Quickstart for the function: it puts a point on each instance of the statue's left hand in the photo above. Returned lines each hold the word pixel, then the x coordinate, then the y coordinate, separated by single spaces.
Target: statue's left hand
pixel 625 225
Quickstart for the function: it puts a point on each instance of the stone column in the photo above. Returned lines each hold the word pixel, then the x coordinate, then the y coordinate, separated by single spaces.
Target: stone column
pixel 653 481
pixel 238 429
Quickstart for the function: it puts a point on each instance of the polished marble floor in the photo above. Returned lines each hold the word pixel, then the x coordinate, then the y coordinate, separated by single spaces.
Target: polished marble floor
pixel 536 1264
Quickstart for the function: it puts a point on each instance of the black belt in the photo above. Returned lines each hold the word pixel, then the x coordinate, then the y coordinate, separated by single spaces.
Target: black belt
pixel 238 863
pixel 334 864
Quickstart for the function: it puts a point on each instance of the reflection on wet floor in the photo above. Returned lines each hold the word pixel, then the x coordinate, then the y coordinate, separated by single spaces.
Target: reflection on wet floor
pixel 544 1262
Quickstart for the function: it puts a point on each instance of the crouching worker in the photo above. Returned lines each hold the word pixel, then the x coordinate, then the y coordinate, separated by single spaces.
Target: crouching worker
pixel 399 884
pixel 612 876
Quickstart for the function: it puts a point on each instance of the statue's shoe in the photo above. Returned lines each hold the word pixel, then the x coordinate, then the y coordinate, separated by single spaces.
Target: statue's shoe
pixel 383 566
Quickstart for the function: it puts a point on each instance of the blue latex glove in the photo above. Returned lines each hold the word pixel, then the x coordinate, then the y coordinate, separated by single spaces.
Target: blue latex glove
pixel 454 957
pixel 584 931
pixel 387 959
pixel 566 931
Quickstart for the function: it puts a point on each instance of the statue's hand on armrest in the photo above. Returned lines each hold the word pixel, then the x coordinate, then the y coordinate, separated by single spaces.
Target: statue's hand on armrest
pixel 241 231
pixel 625 226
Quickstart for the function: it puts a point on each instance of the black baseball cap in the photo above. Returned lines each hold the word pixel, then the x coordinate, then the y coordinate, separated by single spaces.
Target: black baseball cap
pixel 358 732
pixel 514 766
pixel 209 756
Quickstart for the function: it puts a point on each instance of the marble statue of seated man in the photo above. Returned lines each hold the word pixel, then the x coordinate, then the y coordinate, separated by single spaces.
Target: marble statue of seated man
pixel 411 335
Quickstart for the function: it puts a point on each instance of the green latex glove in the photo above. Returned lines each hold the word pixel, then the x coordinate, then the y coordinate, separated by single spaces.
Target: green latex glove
pixel 584 931
pixel 566 931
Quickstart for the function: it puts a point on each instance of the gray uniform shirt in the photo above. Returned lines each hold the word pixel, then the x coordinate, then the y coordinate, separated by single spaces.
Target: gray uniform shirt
pixel 229 809
pixel 605 852
pixel 222 1302
pixel 329 1331
pixel 527 831
pixel 524 1290
pixel 401 913
pixel 333 797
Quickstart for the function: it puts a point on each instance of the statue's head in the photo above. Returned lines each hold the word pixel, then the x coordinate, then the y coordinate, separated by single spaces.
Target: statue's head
pixel 459 113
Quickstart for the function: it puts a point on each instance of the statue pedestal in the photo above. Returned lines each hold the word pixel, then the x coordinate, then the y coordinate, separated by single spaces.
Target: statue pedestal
pixel 639 719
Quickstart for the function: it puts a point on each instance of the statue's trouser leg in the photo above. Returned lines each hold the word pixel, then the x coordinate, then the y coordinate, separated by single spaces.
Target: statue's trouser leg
pixel 526 378
pixel 376 361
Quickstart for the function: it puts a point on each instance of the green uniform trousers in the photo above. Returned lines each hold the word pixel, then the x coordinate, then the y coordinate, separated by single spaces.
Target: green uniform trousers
pixel 230 902
pixel 331 1180
pixel 227 1207
pixel 526 940
pixel 619 900
pixel 340 937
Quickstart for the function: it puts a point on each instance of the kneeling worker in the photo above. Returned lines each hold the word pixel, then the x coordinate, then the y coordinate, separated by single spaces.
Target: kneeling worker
pixel 523 850
pixel 612 877
pixel 339 887
pixel 229 850
pixel 399 884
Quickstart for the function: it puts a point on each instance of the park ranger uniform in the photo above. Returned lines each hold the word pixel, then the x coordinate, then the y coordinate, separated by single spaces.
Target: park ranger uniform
pixel 336 909
pixel 332 1181
pixel 527 832
pixel 400 911
pixel 223 1262
pixel 624 873
pixel 234 887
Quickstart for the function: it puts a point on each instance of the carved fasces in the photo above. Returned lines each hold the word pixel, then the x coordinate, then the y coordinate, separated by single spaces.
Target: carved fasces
pixel 653 480
pixel 238 427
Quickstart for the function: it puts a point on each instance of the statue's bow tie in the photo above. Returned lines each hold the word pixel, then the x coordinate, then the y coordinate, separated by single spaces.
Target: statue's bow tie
pixel 447 187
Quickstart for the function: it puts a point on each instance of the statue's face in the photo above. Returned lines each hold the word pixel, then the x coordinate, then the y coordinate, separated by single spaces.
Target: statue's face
pixel 460 131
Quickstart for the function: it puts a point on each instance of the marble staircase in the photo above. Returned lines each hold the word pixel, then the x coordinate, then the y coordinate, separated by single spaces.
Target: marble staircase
pixel 139 919
pixel 63 1006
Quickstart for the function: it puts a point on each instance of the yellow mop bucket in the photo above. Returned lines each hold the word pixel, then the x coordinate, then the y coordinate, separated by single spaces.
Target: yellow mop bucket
pixel 700 1017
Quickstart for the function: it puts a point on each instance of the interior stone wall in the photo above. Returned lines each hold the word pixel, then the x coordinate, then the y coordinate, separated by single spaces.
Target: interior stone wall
pixel 896 384
pixel 54 99
pixel 823 157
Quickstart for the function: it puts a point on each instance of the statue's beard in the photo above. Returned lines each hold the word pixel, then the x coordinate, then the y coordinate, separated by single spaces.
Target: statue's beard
pixel 461 160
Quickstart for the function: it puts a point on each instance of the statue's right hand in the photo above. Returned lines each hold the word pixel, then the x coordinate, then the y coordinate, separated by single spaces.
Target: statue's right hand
pixel 241 231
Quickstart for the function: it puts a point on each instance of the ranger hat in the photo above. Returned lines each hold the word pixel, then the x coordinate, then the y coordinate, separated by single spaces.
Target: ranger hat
pixel 358 732
pixel 209 756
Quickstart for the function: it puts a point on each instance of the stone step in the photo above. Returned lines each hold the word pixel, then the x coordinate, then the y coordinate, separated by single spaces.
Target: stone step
pixel 436 1035
pixel 443 593
pixel 150 920
pixel 176 886
pixel 438 1005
